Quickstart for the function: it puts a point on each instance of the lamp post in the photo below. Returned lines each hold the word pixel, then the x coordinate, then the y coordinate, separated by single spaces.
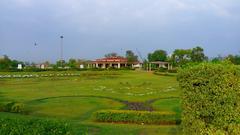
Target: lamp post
pixel 61 53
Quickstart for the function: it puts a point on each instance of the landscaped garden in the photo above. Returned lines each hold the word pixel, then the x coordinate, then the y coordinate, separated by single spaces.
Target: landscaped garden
pixel 95 102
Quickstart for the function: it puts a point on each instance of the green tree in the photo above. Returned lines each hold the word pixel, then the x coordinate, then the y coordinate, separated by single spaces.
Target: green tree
pixel 235 59
pixel 72 63
pixel 158 55
pixel 61 63
pixel 113 54
pixel 14 64
pixel 217 59
pixel 197 54
pixel 5 63
pixel 131 56
pixel 181 57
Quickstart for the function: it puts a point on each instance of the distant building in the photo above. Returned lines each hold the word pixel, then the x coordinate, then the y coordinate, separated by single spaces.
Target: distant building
pixel 81 66
pixel 114 62
pixel 160 64
pixel 43 66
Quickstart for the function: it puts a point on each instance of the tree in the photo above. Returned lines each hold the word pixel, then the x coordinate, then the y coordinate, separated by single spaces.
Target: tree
pixel 158 55
pixel 61 63
pixel 14 63
pixel 5 63
pixel 72 63
pixel 46 63
pixel 217 59
pixel 113 54
pixel 131 56
pixel 181 57
pixel 235 59
pixel 197 54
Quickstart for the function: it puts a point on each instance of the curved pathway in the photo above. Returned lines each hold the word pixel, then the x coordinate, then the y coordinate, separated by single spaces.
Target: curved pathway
pixel 143 106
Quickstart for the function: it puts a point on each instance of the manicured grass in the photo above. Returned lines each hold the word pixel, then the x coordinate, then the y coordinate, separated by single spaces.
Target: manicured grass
pixel 76 98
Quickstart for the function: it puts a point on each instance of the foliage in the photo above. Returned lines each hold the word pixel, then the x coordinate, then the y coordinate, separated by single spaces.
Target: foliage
pixel 14 107
pixel 131 56
pixel 61 63
pixel 7 64
pixel 163 73
pixel 210 98
pixel 139 117
pixel 217 59
pixel 161 69
pixel 31 126
pixel 113 54
pixel 181 57
pixel 235 59
pixel 158 55
pixel 72 63
pixel 172 71
pixel 197 54
pixel 137 86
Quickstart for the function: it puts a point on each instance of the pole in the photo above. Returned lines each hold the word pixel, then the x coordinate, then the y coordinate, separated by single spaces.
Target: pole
pixel 61 53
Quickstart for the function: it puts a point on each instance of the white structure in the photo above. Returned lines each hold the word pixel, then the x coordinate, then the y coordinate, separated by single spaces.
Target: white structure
pixel 160 64
pixel 19 66
pixel 81 66
pixel 42 66
pixel 138 65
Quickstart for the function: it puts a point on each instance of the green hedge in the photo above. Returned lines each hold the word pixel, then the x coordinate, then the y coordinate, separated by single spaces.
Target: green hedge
pixel 210 99
pixel 138 117
pixel 30 126
pixel 13 107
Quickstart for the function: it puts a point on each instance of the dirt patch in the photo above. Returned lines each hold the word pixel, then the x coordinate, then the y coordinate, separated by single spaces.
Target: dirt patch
pixel 138 106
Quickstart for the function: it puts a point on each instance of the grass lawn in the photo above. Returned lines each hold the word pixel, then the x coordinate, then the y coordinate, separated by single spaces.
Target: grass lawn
pixel 76 98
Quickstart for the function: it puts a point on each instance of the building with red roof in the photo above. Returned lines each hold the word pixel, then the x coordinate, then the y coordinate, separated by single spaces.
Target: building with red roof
pixel 114 62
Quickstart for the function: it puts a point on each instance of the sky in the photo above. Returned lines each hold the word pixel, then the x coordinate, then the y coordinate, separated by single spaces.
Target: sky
pixel 92 28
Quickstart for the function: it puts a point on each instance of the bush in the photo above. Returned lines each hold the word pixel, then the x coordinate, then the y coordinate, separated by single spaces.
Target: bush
pixel 210 98
pixel 13 107
pixel 163 73
pixel 172 71
pixel 161 69
pixel 30 126
pixel 138 117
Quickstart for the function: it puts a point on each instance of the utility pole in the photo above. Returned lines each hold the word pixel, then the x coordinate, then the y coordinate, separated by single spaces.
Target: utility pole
pixel 61 53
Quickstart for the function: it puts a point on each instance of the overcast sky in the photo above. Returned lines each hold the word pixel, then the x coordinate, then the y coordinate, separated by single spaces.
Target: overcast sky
pixel 92 28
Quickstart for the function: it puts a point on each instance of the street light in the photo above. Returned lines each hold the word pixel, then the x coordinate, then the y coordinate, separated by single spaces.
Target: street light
pixel 61 55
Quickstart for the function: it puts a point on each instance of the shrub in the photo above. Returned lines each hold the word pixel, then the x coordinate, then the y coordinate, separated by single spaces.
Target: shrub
pixel 30 126
pixel 161 69
pixel 138 117
pixel 1 107
pixel 210 98
pixel 14 107
pixel 163 73
pixel 172 71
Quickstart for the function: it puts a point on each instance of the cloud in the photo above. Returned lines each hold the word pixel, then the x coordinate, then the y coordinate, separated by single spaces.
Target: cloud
pixel 112 24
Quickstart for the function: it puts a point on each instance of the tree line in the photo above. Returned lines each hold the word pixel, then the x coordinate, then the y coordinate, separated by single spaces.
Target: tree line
pixel 178 58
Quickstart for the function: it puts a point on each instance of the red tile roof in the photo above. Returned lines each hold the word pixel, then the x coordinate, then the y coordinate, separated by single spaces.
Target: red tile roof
pixel 112 59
